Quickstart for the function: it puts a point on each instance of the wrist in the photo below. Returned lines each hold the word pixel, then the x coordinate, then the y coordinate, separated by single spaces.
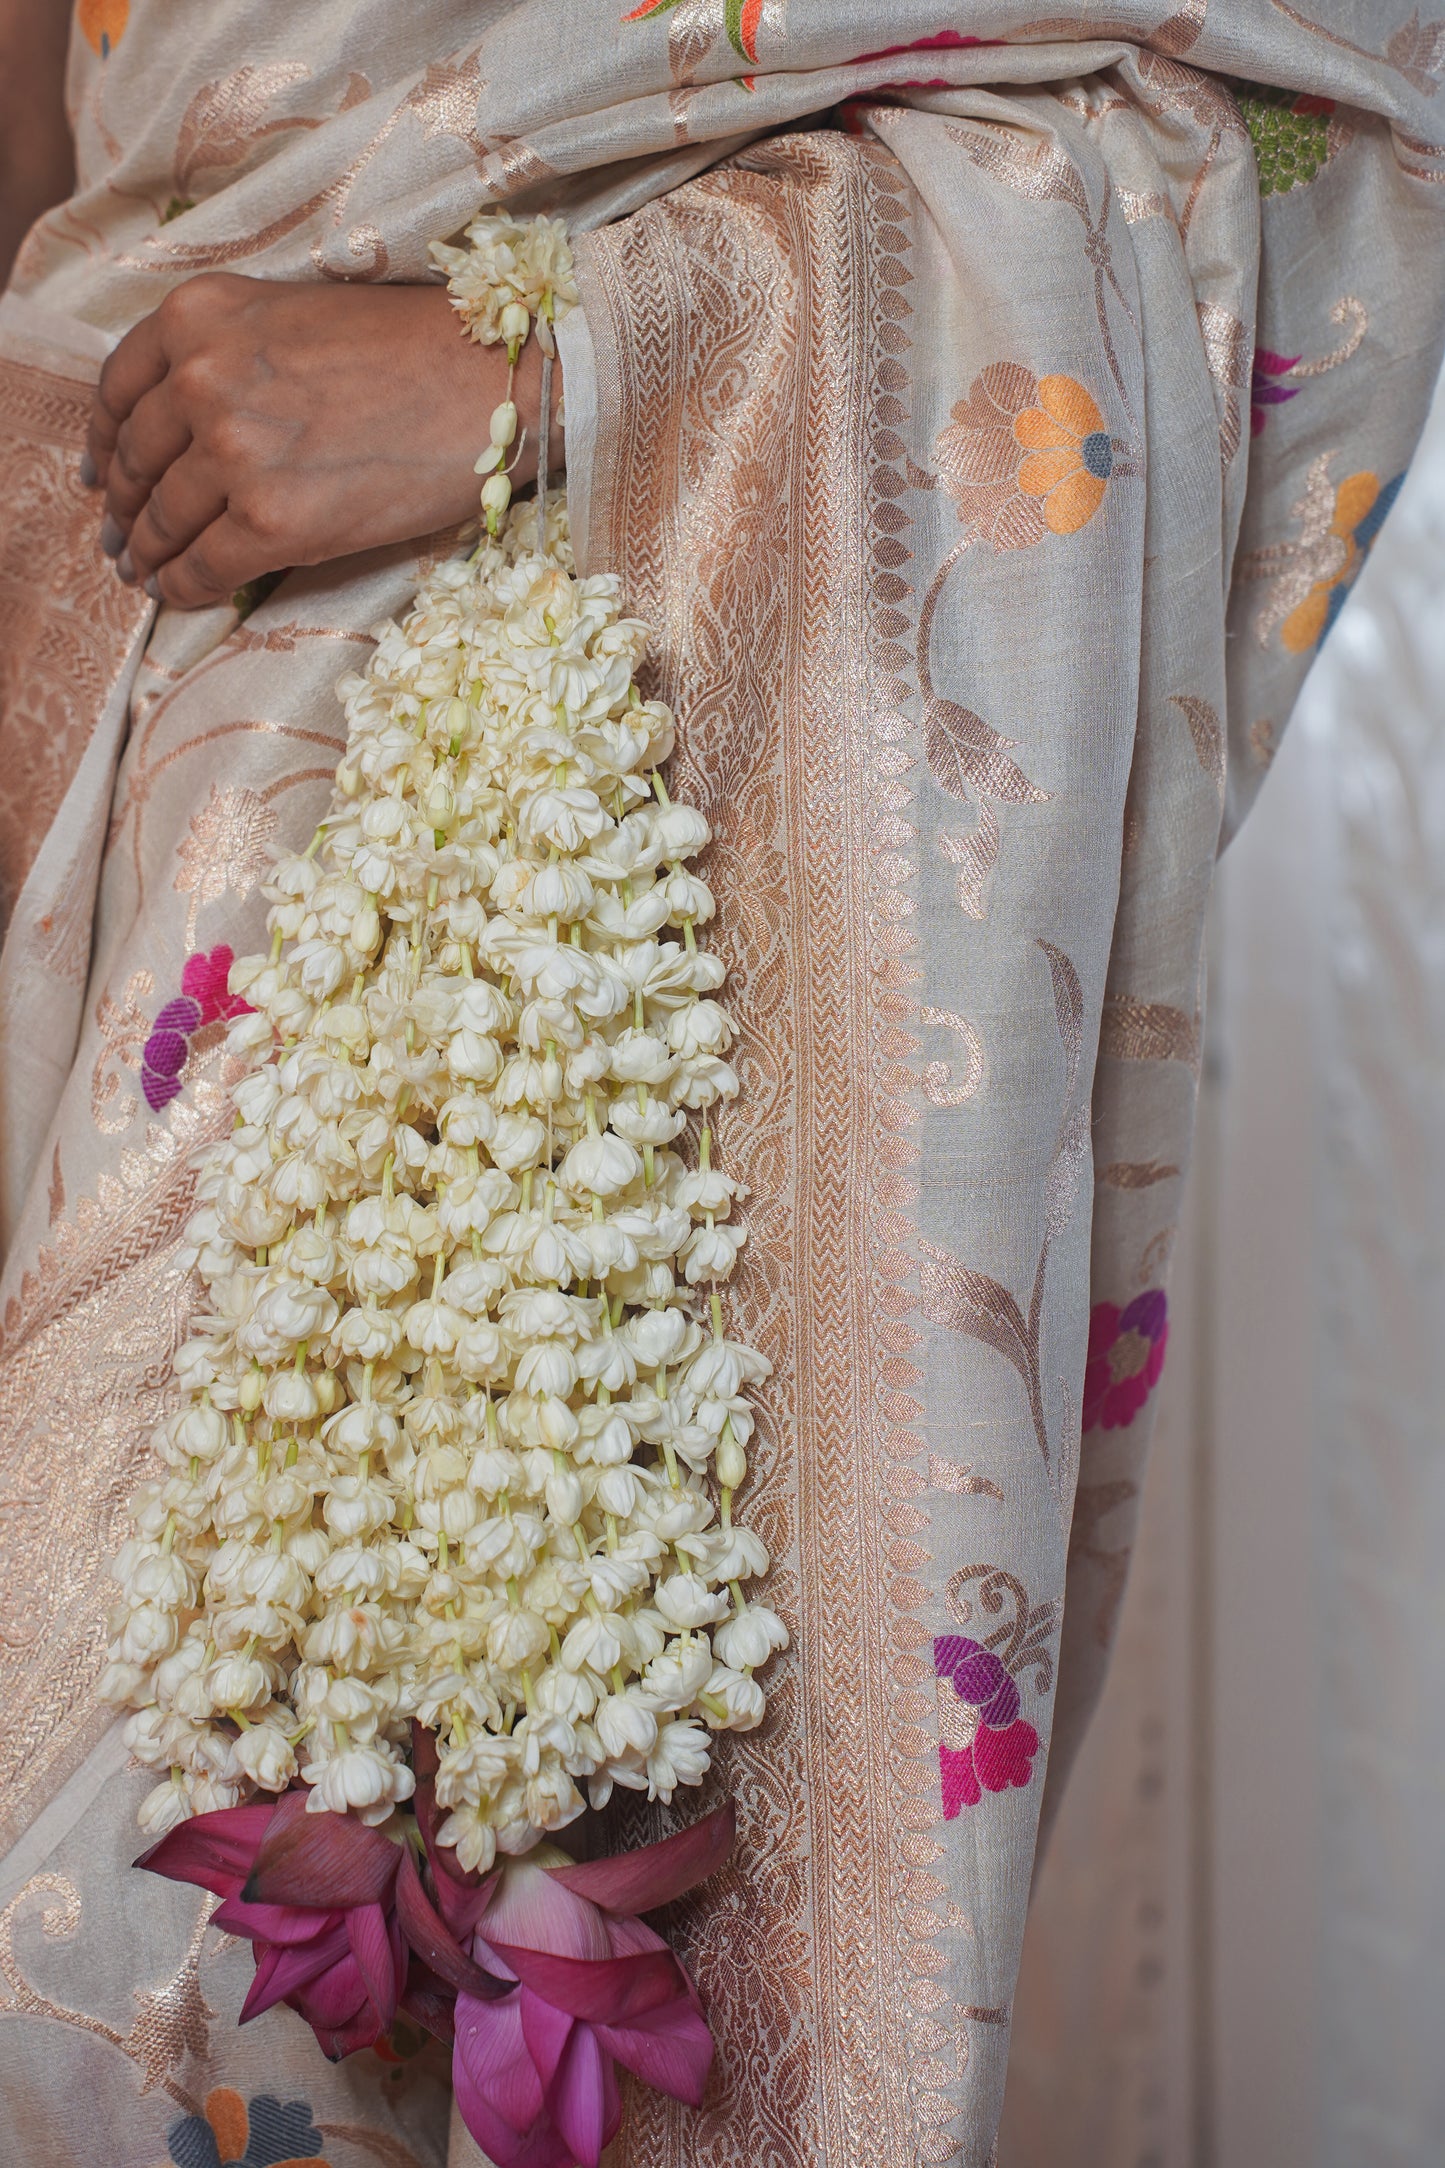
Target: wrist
pixel 471 380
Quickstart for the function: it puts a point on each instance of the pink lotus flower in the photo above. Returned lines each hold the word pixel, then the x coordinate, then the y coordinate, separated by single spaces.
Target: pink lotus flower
pixel 315 1896
pixel 541 1974
pixel 590 1986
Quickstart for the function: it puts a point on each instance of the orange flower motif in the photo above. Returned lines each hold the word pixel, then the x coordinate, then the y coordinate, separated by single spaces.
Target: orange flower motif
pixel 102 23
pixel 1023 456
pixel 1070 454
pixel 1359 513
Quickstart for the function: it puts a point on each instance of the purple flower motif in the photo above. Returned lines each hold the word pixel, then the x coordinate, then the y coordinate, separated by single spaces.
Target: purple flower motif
pixel 984 1745
pixel 979 1678
pixel 205 1000
pixel 1265 390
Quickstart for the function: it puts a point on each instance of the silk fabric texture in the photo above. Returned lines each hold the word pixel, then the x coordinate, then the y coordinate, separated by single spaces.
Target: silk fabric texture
pixel 990 426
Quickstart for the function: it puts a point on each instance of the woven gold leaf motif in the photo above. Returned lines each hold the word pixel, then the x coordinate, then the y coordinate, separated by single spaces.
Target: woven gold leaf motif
pixel 1148 1031
pixel 1207 732
pixel 965 753
pixel 228 846
pixel 225 119
pixel 973 858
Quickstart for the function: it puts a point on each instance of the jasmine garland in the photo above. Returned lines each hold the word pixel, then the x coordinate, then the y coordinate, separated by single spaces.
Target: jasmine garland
pixel 464 1423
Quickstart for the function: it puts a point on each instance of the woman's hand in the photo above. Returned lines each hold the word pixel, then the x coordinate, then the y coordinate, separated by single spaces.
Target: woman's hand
pixel 249 425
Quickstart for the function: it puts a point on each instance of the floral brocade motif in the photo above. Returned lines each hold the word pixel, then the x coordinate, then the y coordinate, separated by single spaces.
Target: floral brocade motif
pixel 1294 135
pixel 1126 1359
pixel 231 2132
pixel 66 623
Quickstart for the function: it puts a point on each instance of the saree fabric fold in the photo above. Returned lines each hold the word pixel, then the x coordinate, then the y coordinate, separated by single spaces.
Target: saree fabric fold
pixel 990 415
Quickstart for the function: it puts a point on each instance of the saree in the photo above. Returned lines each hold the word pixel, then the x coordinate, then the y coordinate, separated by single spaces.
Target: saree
pixel 990 420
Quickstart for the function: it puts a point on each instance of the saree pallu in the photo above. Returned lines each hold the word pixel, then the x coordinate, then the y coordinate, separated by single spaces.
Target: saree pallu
pixel 990 461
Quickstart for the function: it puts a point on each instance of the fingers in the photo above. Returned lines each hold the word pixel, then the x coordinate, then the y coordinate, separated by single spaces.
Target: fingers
pixel 135 367
pixel 221 558
pixel 153 437
pixel 185 501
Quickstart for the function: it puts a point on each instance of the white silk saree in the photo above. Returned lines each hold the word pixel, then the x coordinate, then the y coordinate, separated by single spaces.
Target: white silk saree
pixel 990 415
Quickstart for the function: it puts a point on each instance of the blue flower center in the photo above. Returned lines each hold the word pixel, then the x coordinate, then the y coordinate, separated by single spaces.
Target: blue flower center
pixel 1097 453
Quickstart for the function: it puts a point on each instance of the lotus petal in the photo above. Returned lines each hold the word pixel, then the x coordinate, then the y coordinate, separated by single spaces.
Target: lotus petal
pixel 272 1923
pixel 325 1861
pixel 361 2031
pixel 214 1851
pixel 335 1996
pixel 376 1959
pixel 282 1972
pixel 655 1874
pixel 578 2101
pixel 546 2030
pixel 493 2053
pixel 670 2049
pixel 432 1939
pixel 597 1989
pixel 429 2001
pixel 536 1911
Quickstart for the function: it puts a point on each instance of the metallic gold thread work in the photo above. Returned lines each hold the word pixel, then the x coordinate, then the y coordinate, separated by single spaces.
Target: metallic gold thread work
pixel 777 585
pixel 67 625
pixel 1147 1031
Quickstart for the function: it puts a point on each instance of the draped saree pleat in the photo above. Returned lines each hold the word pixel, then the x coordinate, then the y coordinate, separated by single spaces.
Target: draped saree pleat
pixel 923 440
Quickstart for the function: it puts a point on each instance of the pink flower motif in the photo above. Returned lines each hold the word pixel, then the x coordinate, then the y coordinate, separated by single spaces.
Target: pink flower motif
pixel 941 41
pixel 984 1744
pixel 588 1986
pixel 205 998
pixel 1126 1356
pixel 207 977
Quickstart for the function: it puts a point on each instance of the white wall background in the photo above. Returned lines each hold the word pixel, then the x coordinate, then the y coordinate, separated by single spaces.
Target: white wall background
pixel 1237 1954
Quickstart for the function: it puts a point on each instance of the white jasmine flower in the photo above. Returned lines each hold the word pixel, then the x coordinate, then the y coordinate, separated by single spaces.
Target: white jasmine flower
pixel 750 1638
pixel 267 1757
pixel 238 1682
pixel 681 1756
pixel 163 1808
pixel 731 1701
pixel 684 1599
pixel 367 1779
pixel 674 1679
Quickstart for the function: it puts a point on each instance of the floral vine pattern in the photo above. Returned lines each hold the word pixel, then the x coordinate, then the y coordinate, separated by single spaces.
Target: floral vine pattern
pixel 1044 171
pixel 741 19
pixel 967 1301
pixel 1025 456
pixel 102 24
pixel 1294 135
pixel 1278 378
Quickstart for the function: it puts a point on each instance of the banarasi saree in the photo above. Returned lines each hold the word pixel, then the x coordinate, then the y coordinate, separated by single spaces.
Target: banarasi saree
pixel 991 414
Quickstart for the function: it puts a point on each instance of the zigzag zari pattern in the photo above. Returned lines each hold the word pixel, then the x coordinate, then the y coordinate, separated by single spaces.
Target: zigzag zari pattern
pixel 751 332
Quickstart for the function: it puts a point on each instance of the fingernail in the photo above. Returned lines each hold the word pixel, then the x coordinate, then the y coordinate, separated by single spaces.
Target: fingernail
pixel 153 588
pixel 112 536
pixel 125 568
pixel 89 474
